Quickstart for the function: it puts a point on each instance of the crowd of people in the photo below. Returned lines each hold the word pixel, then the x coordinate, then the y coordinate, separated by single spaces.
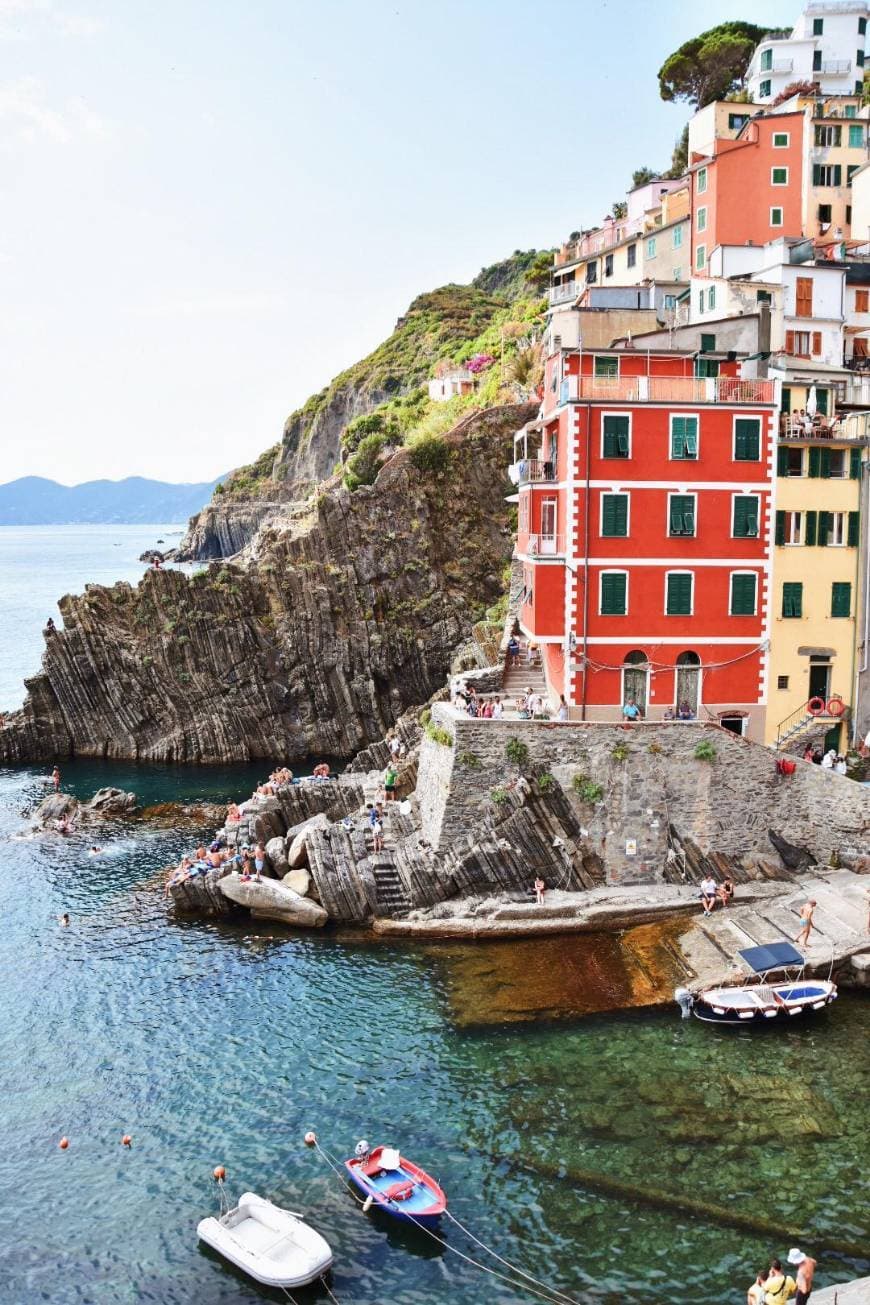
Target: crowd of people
pixel 249 860
pixel 830 760
pixel 775 1286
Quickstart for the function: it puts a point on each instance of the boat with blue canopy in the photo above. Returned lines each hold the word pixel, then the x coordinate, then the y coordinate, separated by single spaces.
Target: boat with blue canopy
pixel 761 1000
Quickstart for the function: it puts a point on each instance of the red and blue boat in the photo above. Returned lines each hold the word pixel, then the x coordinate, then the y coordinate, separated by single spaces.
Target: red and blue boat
pixel 396 1185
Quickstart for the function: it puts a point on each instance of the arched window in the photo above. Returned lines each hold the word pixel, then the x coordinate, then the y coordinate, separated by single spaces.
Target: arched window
pixel 687 689
pixel 635 679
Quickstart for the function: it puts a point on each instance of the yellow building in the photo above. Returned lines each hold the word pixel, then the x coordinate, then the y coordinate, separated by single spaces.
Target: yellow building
pixel 815 584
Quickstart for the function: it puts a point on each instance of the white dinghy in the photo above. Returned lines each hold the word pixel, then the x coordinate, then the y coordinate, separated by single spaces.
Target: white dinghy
pixel 274 1246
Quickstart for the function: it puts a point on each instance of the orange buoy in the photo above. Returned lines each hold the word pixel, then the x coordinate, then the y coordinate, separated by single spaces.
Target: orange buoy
pixel 126 1140
pixel 63 1143
pixel 310 1139
pixel 220 1173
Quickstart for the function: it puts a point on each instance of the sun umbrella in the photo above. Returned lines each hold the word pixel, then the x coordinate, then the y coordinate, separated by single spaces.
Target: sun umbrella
pixel 812 401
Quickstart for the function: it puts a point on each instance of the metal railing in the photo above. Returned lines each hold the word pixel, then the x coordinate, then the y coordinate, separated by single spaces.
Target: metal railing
pixel 839 67
pixel 667 389
pixel 562 294
pixel 531 470
pixel 849 427
pixel 545 545
pixel 803 719
pixel 782 65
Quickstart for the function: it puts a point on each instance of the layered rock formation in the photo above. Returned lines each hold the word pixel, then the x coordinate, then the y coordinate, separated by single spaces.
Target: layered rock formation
pixel 342 621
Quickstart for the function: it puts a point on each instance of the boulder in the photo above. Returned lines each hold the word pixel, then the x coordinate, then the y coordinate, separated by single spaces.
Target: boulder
pixel 111 802
pixel 57 806
pixel 277 857
pixel 299 881
pixel 268 900
pixel 297 851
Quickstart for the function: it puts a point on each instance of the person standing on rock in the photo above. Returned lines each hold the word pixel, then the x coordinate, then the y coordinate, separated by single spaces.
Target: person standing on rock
pixel 390 777
pixel 540 888
pixel 806 914
pixel 806 1267
pixel 377 836
pixel 779 1286
pixel 395 746
pixel 755 1295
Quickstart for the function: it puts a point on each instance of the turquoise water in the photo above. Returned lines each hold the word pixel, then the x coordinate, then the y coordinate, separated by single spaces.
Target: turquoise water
pixel 216 1044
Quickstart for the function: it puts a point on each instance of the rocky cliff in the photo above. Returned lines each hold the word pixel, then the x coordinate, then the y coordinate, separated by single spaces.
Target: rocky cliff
pixel 345 618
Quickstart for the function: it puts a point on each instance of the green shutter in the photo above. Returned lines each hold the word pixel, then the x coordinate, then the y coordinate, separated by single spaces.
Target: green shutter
pixel 855 464
pixel 854 526
pixel 679 596
pixel 615 515
pixel 824 528
pixel 838 175
pixel 810 528
pixel 792 598
pixel 841 598
pixel 780 527
pixel 747 439
pixel 825 464
pixel 746 517
pixel 613 595
pixel 815 451
pixel 743 595
pixel 692 438
pixel 616 437
pixel 682 516
pixel 782 461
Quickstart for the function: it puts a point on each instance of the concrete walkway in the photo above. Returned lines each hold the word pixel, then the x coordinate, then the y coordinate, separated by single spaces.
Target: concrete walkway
pixel 847 1293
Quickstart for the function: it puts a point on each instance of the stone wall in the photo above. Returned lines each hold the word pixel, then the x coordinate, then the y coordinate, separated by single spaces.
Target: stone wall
pixel 655 794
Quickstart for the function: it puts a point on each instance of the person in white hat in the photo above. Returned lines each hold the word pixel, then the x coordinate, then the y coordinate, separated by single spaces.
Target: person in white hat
pixel 806 1267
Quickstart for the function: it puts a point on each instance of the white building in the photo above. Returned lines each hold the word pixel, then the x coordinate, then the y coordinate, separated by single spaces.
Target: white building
pixel 826 46
pixel 458 381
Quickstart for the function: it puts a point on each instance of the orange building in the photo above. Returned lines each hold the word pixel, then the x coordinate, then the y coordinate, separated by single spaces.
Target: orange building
pixel 749 190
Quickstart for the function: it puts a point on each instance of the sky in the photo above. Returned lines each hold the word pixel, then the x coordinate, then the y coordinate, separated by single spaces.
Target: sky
pixel 210 207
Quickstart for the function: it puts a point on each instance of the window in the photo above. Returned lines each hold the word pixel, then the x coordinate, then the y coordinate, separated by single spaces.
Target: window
pixel 804 296
pixel 745 517
pixel 678 593
pixel 737 121
pixel 701 257
pixel 824 212
pixel 851 169
pixel 678 237
pixel 605 367
pixel 614 593
pixel 835 464
pixel 701 221
pixel 780 140
pixel 782 681
pixel 818 26
pixel 747 439
pixel 700 301
pixel 705 367
pixel 789 528
pixel 743 585
pixel 631 256
pixel 792 599
pixel 711 297
pixel 766 63
pixel 790 461
pixel 856 136
pixel 859 58
pixel 591 273
pixel 616 434
pixel 848 215
pixel 708 343
pixel 608 265
pixel 841 598
pixel 614 516
pixel 798 343
pixel 817 61
pixel 702 180
pixel 832 529
pixel 764 89
pixel 779 176
pixel 862 29
pixel 651 247
pixel 827 174
pixel 826 135
pixel 776 217
pixel 862 301
pixel 681 514
pixel 684 438
pixel 850 111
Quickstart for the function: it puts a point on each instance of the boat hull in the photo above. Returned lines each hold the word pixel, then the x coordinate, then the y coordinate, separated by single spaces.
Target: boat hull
pixel 780 1003
pixel 407 1194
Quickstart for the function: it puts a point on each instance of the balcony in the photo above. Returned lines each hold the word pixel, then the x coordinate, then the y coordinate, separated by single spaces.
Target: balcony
pixel 545 546
pixel 667 389
pixel 848 428
pixel 835 67
pixel 782 66
pixel 565 293
pixel 533 471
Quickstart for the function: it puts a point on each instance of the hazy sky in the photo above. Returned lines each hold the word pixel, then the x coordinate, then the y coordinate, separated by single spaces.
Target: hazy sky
pixel 210 207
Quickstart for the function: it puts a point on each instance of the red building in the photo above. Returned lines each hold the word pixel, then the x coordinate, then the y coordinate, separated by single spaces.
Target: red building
pixel 645 534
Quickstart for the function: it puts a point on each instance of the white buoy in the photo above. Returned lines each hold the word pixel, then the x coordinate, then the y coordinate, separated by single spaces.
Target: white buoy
pixel 367 1204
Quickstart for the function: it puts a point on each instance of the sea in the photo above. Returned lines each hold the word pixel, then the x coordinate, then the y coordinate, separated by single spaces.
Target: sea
pixel 634 1158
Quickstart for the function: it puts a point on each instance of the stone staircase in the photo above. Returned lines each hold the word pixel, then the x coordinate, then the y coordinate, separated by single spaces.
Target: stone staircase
pixel 390 890
pixel 516 679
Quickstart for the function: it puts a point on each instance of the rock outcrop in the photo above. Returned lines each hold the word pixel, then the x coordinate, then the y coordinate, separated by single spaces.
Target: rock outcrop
pixel 268 900
pixel 106 804
pixel 317 645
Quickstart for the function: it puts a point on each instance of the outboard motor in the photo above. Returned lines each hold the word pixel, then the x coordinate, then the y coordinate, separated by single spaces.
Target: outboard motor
pixel 685 1001
pixel 362 1150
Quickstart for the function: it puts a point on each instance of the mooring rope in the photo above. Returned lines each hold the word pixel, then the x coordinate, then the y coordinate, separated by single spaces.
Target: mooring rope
pixel 547 1293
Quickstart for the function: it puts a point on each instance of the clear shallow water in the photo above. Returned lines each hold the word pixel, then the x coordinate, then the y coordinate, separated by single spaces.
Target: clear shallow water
pixel 39 564
pixel 215 1044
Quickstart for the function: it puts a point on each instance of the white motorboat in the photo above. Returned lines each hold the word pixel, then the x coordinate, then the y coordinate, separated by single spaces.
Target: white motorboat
pixel 274 1246
pixel 759 1001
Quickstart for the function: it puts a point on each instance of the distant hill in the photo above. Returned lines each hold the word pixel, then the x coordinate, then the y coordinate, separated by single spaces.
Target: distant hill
pixel 34 501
